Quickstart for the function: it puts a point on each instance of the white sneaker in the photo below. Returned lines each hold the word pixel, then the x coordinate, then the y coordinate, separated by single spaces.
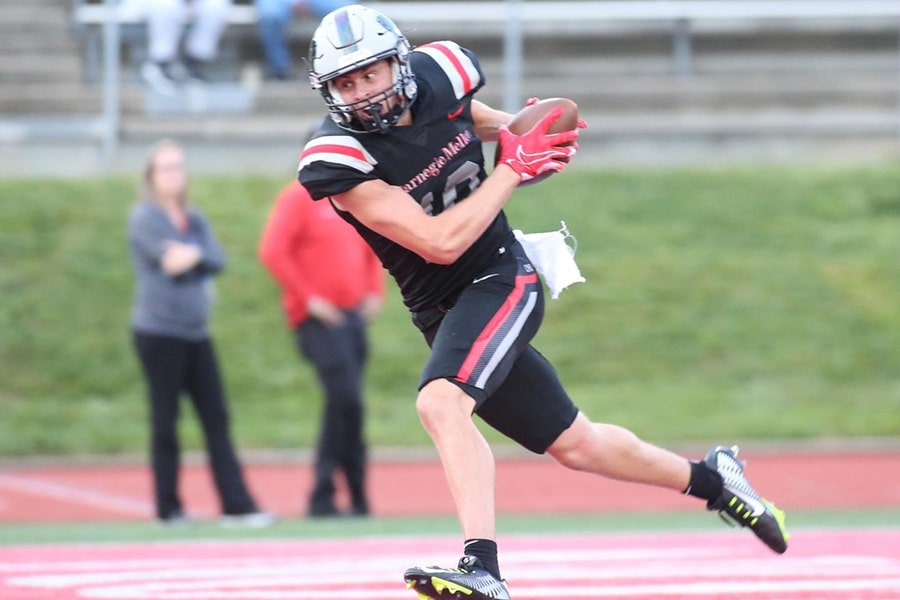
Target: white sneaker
pixel 158 79
pixel 176 519
pixel 252 520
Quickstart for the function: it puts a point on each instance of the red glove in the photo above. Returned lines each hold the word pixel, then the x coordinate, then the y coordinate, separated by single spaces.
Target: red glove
pixel 535 151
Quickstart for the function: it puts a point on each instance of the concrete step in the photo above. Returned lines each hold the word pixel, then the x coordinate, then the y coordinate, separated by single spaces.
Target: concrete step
pixel 824 122
pixel 59 97
pixel 80 157
pixel 885 61
pixel 63 4
pixel 34 16
pixel 628 93
pixel 625 94
pixel 15 41
pixel 27 67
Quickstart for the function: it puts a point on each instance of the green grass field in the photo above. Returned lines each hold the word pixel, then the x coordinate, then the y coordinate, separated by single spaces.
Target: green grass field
pixel 144 531
pixel 729 304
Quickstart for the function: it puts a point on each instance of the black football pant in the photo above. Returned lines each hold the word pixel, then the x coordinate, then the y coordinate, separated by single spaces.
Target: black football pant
pixel 338 354
pixel 172 366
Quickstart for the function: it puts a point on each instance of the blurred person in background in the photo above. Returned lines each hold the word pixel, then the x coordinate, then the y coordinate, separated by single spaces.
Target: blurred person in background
pixel 196 26
pixel 273 19
pixel 332 285
pixel 175 253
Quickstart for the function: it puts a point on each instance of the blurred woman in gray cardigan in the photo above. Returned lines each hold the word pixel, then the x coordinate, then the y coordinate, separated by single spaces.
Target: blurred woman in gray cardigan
pixel 175 254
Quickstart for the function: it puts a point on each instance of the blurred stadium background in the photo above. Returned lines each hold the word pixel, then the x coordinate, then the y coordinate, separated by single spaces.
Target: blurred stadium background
pixel 732 81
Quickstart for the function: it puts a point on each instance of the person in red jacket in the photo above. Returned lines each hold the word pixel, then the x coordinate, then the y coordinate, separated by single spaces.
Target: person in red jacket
pixel 332 285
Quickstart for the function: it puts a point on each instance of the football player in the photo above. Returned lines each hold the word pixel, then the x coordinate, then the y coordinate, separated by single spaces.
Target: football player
pixel 401 159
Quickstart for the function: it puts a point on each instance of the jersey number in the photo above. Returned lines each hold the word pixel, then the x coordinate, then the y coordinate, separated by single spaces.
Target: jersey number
pixel 460 183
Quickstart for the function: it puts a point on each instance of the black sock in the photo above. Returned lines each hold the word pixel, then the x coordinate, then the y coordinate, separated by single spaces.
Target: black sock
pixel 705 483
pixel 486 552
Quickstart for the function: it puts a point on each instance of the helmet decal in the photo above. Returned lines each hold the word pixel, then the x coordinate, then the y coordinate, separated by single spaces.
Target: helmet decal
pixel 346 38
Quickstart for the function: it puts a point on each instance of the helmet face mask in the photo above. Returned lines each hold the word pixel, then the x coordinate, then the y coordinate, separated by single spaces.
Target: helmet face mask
pixel 350 38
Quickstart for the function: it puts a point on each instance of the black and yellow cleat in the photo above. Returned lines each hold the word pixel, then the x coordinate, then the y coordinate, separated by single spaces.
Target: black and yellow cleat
pixel 740 504
pixel 469 581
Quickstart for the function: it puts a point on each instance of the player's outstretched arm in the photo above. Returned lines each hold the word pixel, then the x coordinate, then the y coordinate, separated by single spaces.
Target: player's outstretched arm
pixel 439 239
pixel 488 121
pixel 443 238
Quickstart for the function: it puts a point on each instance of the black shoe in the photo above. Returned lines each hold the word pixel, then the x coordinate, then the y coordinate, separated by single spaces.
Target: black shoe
pixel 195 69
pixel 470 580
pixel 359 507
pixel 740 504
pixel 323 510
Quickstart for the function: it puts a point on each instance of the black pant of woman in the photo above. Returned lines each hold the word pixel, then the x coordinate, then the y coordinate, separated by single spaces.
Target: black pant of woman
pixel 338 353
pixel 171 366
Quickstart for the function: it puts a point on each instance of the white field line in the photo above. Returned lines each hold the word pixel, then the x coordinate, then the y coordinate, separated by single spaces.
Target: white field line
pixel 76 495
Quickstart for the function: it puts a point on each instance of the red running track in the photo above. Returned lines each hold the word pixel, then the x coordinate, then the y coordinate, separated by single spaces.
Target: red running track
pixel 799 480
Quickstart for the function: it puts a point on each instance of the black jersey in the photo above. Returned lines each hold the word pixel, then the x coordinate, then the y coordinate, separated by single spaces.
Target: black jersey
pixel 438 160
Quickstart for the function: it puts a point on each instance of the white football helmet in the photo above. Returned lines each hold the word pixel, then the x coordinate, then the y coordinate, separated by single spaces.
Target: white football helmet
pixel 352 37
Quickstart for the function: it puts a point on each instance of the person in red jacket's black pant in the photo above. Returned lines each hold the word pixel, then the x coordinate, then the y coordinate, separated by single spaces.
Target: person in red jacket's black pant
pixel 332 285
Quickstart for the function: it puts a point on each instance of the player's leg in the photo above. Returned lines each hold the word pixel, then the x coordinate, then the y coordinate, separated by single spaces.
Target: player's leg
pixel 532 408
pixel 473 350
pixel 616 452
pixel 468 463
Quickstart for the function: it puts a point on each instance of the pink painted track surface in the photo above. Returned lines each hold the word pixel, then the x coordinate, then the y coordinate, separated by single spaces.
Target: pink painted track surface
pixel 824 565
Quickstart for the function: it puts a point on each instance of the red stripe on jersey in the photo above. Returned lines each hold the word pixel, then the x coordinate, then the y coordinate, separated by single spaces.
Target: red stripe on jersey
pixel 454 60
pixel 493 326
pixel 334 149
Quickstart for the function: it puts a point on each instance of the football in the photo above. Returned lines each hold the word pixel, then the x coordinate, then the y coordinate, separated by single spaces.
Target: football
pixel 526 118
